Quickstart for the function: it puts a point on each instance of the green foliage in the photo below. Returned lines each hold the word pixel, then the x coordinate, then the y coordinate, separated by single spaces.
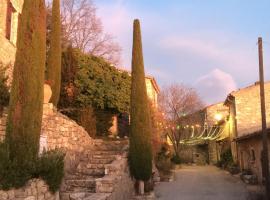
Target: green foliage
pixel 163 161
pixel 49 167
pixel 176 159
pixel 87 119
pixel 68 73
pixel 12 173
pixel 4 97
pixel 226 159
pixel 89 81
pixel 54 53
pixel 103 122
pixel 101 85
pixel 26 98
pixel 140 151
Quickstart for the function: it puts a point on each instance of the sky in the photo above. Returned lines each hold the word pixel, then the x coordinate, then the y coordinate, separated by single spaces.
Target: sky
pixel 210 45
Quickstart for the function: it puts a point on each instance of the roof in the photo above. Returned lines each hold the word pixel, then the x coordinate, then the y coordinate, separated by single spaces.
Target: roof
pixel 153 80
pixel 232 94
pixel 251 135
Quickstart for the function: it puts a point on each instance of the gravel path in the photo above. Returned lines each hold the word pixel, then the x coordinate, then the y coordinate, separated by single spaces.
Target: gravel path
pixel 202 183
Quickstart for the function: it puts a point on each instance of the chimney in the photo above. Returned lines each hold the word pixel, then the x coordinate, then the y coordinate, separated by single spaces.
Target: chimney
pixel 257 83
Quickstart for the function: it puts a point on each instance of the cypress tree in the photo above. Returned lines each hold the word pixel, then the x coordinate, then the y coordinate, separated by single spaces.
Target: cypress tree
pixel 140 151
pixel 54 54
pixel 26 98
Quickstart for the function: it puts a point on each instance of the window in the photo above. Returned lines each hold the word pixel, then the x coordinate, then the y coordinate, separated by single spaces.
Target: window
pixel 252 155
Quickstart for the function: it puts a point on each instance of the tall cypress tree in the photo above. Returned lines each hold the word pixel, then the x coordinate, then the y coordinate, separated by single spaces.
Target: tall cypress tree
pixel 26 99
pixel 140 152
pixel 54 54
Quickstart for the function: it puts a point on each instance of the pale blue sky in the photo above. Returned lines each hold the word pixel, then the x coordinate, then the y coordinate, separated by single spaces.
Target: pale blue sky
pixel 207 44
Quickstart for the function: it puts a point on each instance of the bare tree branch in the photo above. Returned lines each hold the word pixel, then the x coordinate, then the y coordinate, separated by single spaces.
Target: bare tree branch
pixel 178 100
pixel 83 29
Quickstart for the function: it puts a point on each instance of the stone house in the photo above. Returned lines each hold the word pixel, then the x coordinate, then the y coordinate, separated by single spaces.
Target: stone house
pixel 209 136
pixel 152 90
pixel 9 14
pixel 245 126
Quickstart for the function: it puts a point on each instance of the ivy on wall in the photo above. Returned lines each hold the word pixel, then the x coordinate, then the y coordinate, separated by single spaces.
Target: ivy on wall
pixel 90 81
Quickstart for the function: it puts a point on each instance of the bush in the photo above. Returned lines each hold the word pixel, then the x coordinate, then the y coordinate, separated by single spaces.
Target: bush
pixel 226 159
pixel 163 162
pixel 13 173
pixel 49 167
pixel 176 159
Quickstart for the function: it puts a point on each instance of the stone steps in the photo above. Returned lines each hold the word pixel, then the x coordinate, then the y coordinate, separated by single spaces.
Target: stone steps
pixel 92 172
pixel 82 184
pixel 97 196
pixel 84 196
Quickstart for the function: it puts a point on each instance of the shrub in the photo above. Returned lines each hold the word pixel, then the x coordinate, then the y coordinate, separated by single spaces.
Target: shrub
pixel 50 168
pixel 163 162
pixel 176 159
pixel 12 172
pixel 226 159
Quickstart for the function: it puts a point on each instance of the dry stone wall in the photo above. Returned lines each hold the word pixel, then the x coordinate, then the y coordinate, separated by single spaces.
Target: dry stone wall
pixel 35 189
pixel 117 183
pixel 59 132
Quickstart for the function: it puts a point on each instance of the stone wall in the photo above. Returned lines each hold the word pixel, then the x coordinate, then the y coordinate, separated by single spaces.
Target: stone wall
pixel 117 183
pixel 213 110
pixel 58 131
pixel 245 148
pixel 8 45
pixel 248 110
pixel 152 91
pixel 35 189
pixel 7 50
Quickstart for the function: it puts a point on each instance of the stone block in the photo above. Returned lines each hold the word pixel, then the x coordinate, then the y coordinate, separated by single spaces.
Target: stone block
pixel 77 196
pixel 30 198
pixel 11 194
pixel 20 193
pixel 3 195
pixel 41 197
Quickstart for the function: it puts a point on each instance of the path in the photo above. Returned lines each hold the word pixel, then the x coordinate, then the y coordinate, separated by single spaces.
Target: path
pixel 202 183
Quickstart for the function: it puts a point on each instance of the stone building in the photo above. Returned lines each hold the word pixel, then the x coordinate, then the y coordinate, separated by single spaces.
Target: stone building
pixel 9 14
pixel 208 137
pixel 245 126
pixel 152 90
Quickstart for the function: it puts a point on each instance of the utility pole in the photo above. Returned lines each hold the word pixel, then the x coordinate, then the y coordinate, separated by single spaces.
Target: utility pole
pixel 265 162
